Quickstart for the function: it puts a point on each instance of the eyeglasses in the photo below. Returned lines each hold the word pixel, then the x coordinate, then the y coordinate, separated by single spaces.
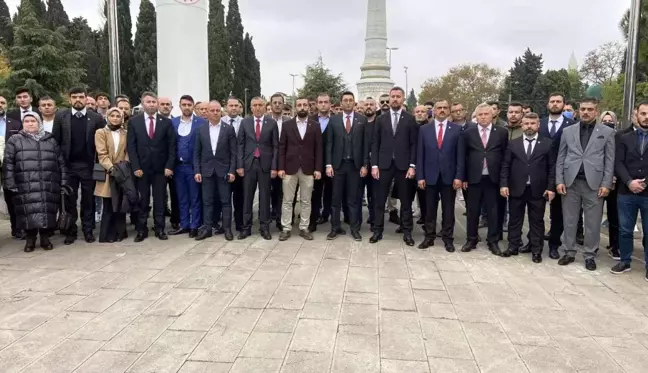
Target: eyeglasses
pixel 384 102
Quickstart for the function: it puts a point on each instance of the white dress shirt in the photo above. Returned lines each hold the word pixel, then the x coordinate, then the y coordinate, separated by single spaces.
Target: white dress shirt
pixel 436 126
pixel 75 111
pixel 22 112
pixel 260 119
pixel 391 114
pixel 279 123
pixel 351 116
pixel 184 129
pixel 526 145
pixel 116 135
pixel 558 124
pixel 48 125
pixel 147 121
pixel 301 127
pixel 488 132
pixel 236 123
pixel 214 132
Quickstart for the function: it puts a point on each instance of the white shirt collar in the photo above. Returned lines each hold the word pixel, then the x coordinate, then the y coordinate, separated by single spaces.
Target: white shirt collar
pixel 558 121
pixel 191 118
pixel 396 111
pixel 489 127
pixel 83 111
pixel 146 116
pixel 445 122
pixel 351 116
pixel 535 137
pixel 300 121
pixel 258 118
pixel 214 124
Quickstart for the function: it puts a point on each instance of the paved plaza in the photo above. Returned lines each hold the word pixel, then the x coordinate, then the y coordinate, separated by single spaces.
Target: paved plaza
pixel 320 306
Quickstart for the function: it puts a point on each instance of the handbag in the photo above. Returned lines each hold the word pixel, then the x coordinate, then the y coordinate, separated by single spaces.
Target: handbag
pixel 98 172
pixel 64 221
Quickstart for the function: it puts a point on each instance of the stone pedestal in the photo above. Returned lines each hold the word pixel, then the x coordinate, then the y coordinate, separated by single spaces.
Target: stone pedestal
pixel 375 77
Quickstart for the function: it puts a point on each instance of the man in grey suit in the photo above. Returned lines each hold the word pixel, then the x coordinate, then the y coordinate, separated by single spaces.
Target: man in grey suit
pixel 258 155
pixel 584 171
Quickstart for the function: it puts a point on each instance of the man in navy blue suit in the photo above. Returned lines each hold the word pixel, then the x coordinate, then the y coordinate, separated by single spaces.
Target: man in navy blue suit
pixel 440 170
pixel 188 190
pixel 552 127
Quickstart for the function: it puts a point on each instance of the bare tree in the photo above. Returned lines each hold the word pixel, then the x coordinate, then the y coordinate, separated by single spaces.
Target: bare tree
pixel 603 64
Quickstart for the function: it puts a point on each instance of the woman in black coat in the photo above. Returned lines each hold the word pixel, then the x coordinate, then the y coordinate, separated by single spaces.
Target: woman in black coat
pixel 34 169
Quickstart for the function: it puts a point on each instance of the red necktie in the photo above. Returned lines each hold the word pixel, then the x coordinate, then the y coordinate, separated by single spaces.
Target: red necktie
pixel 151 131
pixel 257 133
pixel 440 135
pixel 348 124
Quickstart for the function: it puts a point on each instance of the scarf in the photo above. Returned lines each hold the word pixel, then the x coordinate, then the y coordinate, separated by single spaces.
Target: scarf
pixel 41 130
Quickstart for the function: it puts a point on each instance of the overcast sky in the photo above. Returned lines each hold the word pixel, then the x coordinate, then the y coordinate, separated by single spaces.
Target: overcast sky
pixel 432 36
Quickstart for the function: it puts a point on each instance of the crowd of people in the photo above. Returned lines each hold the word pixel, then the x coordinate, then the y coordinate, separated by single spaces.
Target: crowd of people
pixel 210 161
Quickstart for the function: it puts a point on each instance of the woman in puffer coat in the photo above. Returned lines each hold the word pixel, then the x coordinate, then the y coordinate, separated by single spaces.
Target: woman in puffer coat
pixel 34 169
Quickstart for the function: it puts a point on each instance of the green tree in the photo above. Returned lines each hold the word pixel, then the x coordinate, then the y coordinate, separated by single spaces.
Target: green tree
pixel 469 84
pixel 318 78
pixel 235 37
pixel 253 70
pixel 522 77
pixel 220 68
pixel 603 64
pixel 37 6
pixel 56 15
pixel 39 58
pixel 6 26
pixel 145 54
pixel 86 41
pixel 411 101
pixel 550 81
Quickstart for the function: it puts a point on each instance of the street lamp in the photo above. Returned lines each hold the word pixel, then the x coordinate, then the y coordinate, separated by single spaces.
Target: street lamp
pixel 406 82
pixel 293 90
pixel 389 54
pixel 630 86
pixel 246 99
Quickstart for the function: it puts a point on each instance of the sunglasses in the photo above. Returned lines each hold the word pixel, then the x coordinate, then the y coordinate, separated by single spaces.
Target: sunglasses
pixel 384 102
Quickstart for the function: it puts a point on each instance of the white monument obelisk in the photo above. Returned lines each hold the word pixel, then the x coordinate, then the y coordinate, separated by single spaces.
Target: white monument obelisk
pixel 182 59
pixel 375 71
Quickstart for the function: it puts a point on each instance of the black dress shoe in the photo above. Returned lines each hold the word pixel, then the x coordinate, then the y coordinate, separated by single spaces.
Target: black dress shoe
pixel 536 258
pixel 228 235
pixel 312 228
pixel 305 234
pixel 284 236
pixel 30 244
pixel 565 260
pixel 161 235
pixel 494 248
pixel 266 235
pixel 407 238
pixel 193 233
pixel 513 251
pixel 450 247
pixel 468 247
pixel 421 221
pixel 245 233
pixel 175 232
pixel 376 237
pixel 356 236
pixel 141 236
pixel 45 242
pixel 167 211
pixel 393 217
pixel 321 221
pixel 590 264
pixel 553 254
pixel 204 233
pixel 69 240
pixel 427 242
pixel 175 226
pixel 399 230
pixel 546 237
pixel 525 249
pixel 332 235
pixel 219 230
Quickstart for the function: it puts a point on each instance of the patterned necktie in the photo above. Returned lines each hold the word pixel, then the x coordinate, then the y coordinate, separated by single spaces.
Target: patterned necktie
pixel 484 140
pixel 151 131
pixel 395 123
pixel 440 135
pixel 257 134
pixel 642 142
pixel 348 124
pixel 552 130
pixel 78 114
pixel 529 148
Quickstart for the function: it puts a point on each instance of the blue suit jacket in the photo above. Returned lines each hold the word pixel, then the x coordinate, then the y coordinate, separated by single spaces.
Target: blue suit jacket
pixel 446 163
pixel 544 131
pixel 195 125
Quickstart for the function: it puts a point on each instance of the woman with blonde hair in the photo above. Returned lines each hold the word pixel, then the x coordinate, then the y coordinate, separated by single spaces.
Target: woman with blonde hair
pixel 609 119
pixel 110 142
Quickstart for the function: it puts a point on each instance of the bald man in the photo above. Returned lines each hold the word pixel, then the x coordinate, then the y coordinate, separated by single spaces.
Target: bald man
pixel 165 107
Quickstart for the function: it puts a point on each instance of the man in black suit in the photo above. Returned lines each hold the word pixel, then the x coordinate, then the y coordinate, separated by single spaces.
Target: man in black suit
pixel 323 188
pixel 552 128
pixel 485 145
pixel 10 127
pixel 24 102
pixel 528 178
pixel 258 155
pixel 74 130
pixel 233 118
pixel 393 157
pixel 214 163
pixel 152 150
pixel 276 187
pixel 346 160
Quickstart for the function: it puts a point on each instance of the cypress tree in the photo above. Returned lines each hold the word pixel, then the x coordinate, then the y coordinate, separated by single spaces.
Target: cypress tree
pixel 6 26
pixel 253 68
pixel 145 53
pixel 56 15
pixel 220 68
pixel 235 37
pixel 39 58
pixel 86 41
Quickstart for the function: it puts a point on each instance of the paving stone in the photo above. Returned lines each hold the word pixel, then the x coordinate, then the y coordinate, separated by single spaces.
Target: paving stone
pixel 445 338
pixel 266 345
pixel 90 283
pixel 277 321
pixel 168 353
pixel 105 326
pixel 150 291
pixel 544 359
pixel 289 297
pixel 256 365
pixel 360 298
pixel 403 366
pixel 44 309
pixel 133 278
pixel 255 294
pixel 65 357
pixel 300 275
pixel 320 311
pixel 108 362
pixel 270 272
pixel 204 312
pixel 443 365
pixel 202 278
pixel 402 346
pixel 396 294
pixel 304 361
pixel 231 281
pixel 9 336
pixel 314 335
pixel 359 319
pixel 362 280
pixel 628 353
pixel 204 367
pixel 179 269
pixel 356 353
pixel 99 301
pixel 436 310
pixel 174 303
pixel 493 350
pixel 139 335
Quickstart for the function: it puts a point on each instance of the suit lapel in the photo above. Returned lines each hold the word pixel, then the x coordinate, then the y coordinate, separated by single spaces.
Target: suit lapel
pixel 492 134
pixel 576 138
pixel 592 139
pixel 400 123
